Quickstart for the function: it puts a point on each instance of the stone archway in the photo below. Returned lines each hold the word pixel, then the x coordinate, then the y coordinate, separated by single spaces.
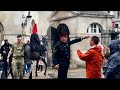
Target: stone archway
pixel 1 32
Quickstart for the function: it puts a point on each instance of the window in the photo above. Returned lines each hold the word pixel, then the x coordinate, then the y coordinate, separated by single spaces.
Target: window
pixel 91 25
pixel 87 31
pixel 99 30
pixel 91 30
pixel 94 25
pixel 94 28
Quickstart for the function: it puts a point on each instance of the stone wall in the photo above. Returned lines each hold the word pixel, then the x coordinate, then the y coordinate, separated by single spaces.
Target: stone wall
pixel 13 20
pixel 78 27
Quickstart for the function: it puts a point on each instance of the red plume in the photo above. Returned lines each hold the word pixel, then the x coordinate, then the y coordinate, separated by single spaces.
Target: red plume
pixel 35 29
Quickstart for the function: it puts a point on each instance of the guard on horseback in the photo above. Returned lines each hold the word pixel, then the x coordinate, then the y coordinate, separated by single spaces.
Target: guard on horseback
pixel 36 49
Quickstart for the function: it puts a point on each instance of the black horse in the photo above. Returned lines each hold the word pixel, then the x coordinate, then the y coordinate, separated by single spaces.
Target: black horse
pixel 29 53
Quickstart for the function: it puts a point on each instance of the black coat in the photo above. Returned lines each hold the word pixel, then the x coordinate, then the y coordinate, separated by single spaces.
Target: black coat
pixel 61 52
pixel 35 42
pixel 36 48
pixel 6 48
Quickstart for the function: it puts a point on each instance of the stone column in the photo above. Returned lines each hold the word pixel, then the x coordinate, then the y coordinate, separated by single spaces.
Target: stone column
pixel 27 30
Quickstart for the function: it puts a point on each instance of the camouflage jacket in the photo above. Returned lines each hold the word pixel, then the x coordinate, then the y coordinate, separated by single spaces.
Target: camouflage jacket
pixel 18 50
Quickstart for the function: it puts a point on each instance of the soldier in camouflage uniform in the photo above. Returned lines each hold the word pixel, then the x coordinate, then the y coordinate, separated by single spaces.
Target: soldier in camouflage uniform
pixel 18 58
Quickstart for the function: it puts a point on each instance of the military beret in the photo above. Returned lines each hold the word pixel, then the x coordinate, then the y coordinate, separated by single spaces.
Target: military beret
pixel 19 35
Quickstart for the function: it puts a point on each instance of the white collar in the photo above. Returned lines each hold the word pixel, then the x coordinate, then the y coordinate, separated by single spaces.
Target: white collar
pixel 93 46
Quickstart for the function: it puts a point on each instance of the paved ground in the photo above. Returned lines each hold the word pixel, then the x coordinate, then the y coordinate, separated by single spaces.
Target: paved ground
pixel 72 73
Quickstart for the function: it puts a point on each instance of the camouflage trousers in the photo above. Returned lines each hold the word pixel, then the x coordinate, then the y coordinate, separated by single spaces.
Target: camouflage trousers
pixel 18 66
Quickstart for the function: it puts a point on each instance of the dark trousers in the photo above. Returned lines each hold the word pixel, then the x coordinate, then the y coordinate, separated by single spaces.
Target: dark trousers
pixel 10 69
pixel 29 67
pixel 62 71
pixel 4 73
pixel 36 67
pixel 40 67
pixel 25 68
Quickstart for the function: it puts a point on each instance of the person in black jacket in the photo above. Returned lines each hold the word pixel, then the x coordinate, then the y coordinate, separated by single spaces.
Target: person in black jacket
pixel 61 54
pixel 28 62
pixel 4 51
pixel 10 64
